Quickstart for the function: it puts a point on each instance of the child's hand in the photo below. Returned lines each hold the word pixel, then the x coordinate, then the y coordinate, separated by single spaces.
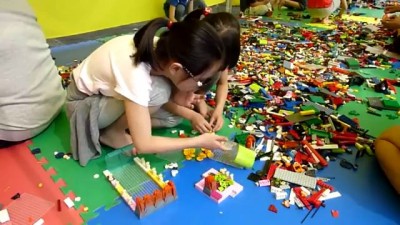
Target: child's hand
pixel 392 9
pixel 392 23
pixel 200 124
pixel 202 108
pixel 216 119
pixel 211 141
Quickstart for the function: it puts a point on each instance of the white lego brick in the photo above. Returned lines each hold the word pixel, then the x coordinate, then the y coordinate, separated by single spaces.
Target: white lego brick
pixel 107 173
pixel 39 222
pixel 277 156
pixel 331 195
pixel 284 186
pixel 269 145
pixel 4 217
pixel 174 173
pixel 275 189
pixel 305 190
pixel 288 65
pixel 326 146
pixel 69 202
pixel 298 202
pixel 292 197
pixel 280 195
pixel 275 148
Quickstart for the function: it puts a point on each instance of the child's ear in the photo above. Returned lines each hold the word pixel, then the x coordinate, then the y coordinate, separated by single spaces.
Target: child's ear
pixel 174 68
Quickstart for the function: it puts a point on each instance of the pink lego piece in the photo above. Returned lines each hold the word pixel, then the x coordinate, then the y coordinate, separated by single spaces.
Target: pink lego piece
pixel 219 196
pixel 215 195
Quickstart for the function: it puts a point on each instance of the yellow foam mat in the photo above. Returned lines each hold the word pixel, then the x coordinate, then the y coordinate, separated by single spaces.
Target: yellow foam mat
pixel 364 19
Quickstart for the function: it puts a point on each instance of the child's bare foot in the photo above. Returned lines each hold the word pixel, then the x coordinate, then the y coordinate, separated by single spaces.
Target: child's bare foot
pixel 326 21
pixel 315 20
pixel 115 139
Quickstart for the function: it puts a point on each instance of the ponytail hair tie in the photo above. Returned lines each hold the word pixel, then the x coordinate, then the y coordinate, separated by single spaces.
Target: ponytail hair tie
pixel 169 24
pixel 207 11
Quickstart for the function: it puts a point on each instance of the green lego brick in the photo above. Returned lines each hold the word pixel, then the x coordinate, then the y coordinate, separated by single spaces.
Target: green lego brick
pixel 391 104
pixel 315 121
pixel 309 107
pixel 352 63
pixel 317 99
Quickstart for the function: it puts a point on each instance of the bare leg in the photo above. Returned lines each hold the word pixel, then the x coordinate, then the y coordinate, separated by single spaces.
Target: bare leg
pixel 115 135
pixel 292 4
pixel 326 20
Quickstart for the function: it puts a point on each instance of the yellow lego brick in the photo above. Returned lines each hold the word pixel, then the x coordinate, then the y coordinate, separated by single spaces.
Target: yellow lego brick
pixel 255 87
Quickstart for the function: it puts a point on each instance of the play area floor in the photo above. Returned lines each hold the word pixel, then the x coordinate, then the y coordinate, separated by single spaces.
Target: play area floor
pixel 367 197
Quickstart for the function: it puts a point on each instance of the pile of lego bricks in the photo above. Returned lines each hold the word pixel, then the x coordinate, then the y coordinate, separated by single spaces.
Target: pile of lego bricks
pixel 284 96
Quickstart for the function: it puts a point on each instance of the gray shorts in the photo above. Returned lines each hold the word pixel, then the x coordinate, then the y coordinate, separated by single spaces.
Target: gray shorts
pixel 111 109
pixel 166 119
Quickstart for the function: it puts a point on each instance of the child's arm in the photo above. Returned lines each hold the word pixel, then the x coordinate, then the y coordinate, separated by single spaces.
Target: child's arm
pixel 172 13
pixel 139 123
pixel 179 110
pixel 222 91
pixel 190 7
pixel 343 7
pixel 217 119
pixel 198 122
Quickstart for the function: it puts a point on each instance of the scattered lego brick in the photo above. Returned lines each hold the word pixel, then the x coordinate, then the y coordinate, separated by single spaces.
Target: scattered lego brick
pixel 272 208
pixel 218 185
pixel 335 213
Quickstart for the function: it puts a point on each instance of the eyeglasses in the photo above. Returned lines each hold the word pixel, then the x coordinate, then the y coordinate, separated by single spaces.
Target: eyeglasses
pixel 199 83
pixel 205 85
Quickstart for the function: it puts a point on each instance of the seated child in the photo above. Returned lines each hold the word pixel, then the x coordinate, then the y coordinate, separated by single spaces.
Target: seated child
pixel 291 4
pixel 320 10
pixel 259 8
pixel 392 22
pixel 175 10
pixel 228 28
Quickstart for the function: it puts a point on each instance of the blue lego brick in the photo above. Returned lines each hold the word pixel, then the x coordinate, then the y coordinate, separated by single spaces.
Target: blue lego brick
pixel 348 121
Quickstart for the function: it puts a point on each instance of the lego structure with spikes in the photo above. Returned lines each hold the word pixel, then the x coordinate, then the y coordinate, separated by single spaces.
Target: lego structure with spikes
pixel 218 185
pixel 151 200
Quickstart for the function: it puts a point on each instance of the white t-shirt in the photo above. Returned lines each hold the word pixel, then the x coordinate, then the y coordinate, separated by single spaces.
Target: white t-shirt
pixel 110 71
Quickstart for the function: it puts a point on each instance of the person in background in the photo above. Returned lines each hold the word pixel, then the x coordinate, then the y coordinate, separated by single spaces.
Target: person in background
pixel 31 94
pixel 321 10
pixel 259 8
pixel 392 21
pixel 205 119
pixel 291 4
pixel 175 10
pixel 110 91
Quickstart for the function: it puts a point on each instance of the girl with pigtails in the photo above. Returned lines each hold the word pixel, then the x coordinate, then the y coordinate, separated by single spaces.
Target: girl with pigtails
pixel 112 89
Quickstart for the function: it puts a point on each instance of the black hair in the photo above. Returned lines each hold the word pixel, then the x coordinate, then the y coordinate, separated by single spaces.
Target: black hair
pixel 228 29
pixel 194 44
